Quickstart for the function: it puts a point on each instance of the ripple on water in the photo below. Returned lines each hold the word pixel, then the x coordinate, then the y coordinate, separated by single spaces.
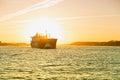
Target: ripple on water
pixel 63 63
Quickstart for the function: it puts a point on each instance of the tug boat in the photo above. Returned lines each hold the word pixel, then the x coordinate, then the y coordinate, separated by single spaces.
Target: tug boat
pixel 43 42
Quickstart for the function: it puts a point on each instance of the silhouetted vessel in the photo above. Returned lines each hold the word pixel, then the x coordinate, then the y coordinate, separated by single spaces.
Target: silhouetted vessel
pixel 43 42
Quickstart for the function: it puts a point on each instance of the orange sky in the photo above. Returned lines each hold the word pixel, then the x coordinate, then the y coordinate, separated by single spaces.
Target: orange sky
pixel 70 20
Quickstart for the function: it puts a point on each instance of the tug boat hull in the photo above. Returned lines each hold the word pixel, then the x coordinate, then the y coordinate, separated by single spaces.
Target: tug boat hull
pixel 43 42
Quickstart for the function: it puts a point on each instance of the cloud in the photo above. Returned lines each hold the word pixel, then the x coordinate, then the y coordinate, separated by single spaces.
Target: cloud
pixel 44 4
pixel 85 17
pixel 70 18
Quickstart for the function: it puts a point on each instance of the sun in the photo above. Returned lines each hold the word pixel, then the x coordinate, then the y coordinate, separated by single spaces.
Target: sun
pixel 43 25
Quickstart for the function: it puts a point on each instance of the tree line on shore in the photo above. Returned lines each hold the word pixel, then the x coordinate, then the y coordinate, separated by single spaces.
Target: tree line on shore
pixel 13 44
pixel 108 43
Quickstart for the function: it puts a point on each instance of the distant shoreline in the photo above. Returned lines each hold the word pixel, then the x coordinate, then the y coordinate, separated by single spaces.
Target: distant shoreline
pixel 109 43
pixel 13 44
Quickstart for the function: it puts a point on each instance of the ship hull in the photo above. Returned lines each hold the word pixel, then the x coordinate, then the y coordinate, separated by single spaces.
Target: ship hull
pixel 44 44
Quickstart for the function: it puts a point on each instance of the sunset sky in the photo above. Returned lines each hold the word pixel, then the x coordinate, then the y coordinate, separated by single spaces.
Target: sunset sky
pixel 68 20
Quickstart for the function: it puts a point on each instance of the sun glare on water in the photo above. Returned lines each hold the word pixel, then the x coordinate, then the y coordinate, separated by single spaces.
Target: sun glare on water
pixel 43 25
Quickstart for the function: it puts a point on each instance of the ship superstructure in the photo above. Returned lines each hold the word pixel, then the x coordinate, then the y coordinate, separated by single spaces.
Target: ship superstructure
pixel 43 42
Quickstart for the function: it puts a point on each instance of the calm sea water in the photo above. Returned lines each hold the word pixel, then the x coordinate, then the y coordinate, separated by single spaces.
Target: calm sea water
pixel 63 63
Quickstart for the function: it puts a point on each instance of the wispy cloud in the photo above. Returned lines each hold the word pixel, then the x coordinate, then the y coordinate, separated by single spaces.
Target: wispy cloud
pixel 70 18
pixel 85 17
pixel 44 4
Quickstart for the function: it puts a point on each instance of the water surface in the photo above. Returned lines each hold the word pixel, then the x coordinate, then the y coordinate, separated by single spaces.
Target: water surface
pixel 63 63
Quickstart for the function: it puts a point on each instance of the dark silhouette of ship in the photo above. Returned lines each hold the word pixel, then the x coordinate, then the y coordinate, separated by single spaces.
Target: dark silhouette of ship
pixel 43 42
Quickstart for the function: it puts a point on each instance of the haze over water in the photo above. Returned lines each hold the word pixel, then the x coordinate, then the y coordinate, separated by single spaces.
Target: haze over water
pixel 67 20
pixel 63 63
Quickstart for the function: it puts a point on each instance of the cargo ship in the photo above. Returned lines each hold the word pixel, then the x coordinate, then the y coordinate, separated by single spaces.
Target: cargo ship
pixel 43 42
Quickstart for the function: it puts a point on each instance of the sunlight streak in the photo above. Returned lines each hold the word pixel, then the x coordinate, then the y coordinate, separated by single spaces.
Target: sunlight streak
pixel 43 26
